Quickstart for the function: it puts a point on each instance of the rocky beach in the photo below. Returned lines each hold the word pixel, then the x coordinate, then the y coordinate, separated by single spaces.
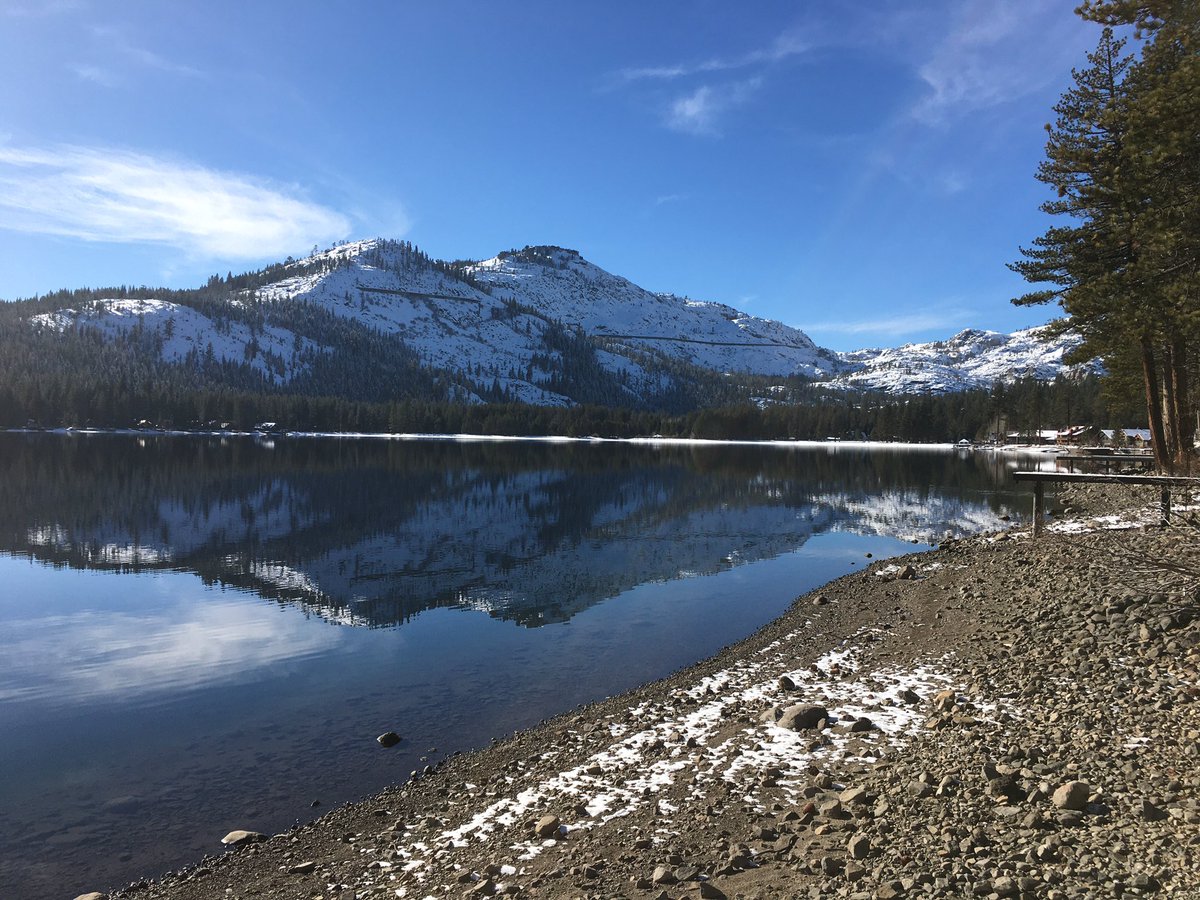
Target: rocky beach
pixel 998 717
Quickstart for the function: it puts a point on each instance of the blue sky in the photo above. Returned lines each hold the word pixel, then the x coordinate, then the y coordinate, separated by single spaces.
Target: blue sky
pixel 861 170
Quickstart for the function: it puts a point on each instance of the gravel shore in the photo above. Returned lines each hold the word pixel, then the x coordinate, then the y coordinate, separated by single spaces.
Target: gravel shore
pixel 999 717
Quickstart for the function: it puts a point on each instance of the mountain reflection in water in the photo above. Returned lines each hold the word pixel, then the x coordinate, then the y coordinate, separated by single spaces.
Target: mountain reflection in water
pixel 373 532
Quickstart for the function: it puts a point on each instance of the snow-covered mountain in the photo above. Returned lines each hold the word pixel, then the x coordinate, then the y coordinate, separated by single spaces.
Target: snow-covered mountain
pixel 540 325
pixel 970 359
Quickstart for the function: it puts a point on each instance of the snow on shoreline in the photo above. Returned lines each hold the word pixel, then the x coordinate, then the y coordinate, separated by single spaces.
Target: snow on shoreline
pixel 687 724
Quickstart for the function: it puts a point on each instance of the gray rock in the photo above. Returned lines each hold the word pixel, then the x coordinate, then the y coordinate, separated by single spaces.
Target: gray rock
pixel 859 846
pixel 1144 882
pixel 854 795
pixel 1073 795
pixel 663 875
pixel 1005 887
pixel 1150 812
pixel 547 826
pixel 238 838
pixel 920 789
pixel 388 739
pixel 803 716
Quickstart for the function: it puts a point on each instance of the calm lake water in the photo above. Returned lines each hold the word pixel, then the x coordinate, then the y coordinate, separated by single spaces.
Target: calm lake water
pixel 200 634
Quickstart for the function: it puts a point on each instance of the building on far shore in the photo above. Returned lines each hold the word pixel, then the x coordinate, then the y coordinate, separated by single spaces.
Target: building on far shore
pixel 1137 438
pixel 1079 436
pixel 1083 436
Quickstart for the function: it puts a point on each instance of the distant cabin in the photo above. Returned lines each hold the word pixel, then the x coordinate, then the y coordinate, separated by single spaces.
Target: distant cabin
pixel 1138 438
pixel 1079 436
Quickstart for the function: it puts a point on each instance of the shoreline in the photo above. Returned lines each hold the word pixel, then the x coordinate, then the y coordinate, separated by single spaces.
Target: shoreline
pixel 1039 450
pixel 982 670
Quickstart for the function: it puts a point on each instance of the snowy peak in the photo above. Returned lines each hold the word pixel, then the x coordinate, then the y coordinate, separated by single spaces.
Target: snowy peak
pixel 971 359
pixel 540 325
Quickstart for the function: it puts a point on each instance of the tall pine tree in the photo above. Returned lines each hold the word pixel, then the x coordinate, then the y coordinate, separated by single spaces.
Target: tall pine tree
pixel 1122 157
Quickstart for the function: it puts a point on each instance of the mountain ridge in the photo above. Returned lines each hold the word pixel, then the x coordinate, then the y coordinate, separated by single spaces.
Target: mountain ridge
pixel 539 325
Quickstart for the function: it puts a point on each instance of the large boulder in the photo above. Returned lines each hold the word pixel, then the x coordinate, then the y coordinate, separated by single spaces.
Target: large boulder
pixel 803 717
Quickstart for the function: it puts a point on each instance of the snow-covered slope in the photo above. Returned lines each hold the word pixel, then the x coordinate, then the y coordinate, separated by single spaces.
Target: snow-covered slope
pixel 540 325
pixel 494 319
pixel 970 359
pixel 183 332
pixel 565 286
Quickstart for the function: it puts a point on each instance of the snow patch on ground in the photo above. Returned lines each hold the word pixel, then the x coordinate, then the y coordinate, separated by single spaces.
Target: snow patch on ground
pixel 686 741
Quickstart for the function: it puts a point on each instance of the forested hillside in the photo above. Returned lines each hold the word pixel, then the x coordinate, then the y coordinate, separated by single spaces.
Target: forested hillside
pixel 377 336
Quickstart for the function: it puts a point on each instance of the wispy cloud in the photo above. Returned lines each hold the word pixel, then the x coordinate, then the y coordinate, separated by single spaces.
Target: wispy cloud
pixel 994 53
pixel 96 74
pixel 699 111
pixel 951 182
pixel 787 44
pixel 910 323
pixel 41 9
pixel 122 197
pixel 115 41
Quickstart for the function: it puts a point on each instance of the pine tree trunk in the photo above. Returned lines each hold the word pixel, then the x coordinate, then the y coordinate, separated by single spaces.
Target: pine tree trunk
pixel 1181 413
pixel 1162 456
pixel 1168 403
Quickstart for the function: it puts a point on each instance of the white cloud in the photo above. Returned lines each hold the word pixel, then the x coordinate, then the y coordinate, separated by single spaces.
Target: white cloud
pixel 993 54
pixel 123 197
pixel 699 111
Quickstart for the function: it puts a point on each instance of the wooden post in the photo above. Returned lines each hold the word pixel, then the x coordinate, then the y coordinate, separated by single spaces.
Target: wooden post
pixel 1039 506
pixel 1166 505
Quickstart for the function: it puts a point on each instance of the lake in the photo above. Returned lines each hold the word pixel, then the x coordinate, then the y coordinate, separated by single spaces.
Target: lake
pixel 206 633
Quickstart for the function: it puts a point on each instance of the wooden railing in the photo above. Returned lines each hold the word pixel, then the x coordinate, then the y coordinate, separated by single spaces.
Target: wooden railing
pixel 1106 461
pixel 1040 479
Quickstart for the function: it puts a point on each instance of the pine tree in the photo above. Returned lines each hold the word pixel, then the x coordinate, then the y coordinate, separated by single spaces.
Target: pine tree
pixel 1122 159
